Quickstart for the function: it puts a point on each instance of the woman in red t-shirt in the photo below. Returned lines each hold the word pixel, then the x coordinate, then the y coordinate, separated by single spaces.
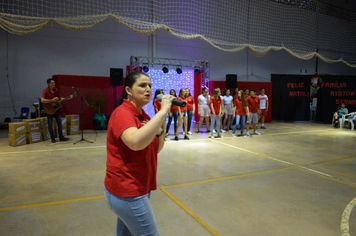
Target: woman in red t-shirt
pixel 183 115
pixel 157 105
pixel 241 111
pixel 133 142
pixel 215 112
pixel 190 109
pixel 173 114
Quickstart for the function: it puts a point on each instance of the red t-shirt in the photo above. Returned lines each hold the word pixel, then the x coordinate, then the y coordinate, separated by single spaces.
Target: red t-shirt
pixel 235 97
pixel 129 173
pixel 183 109
pixel 253 104
pixel 190 102
pixel 216 104
pixel 240 110
pixel 157 104
pixel 47 94
pixel 174 108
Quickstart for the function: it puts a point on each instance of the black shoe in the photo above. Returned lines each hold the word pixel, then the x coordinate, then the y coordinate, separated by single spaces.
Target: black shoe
pixel 176 138
pixel 186 137
pixel 63 139
pixel 208 131
pixel 53 140
pixel 197 131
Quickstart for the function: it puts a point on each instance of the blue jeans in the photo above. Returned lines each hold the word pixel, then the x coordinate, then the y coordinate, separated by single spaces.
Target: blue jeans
pixel 238 119
pixel 175 116
pixel 190 115
pixel 134 215
pixel 217 119
pixel 57 116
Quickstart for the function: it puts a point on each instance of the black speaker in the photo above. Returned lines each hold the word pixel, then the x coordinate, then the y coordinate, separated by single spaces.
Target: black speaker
pixel 116 77
pixel 231 81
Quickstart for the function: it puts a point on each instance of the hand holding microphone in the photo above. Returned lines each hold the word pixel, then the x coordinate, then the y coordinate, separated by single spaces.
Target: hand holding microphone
pixel 174 102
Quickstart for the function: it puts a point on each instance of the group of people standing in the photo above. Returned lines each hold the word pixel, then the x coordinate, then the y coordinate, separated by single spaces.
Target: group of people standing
pixel 222 111
pixel 178 114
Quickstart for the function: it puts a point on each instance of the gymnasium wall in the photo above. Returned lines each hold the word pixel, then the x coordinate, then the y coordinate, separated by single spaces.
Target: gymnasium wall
pixel 55 50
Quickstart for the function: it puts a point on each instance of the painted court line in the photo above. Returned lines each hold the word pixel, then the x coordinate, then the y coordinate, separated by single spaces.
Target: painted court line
pixel 190 212
pixel 229 177
pixel 297 132
pixel 295 165
pixel 50 203
pixel 51 150
pixel 345 219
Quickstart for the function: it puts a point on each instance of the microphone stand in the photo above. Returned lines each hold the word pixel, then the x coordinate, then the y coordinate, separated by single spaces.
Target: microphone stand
pixel 81 117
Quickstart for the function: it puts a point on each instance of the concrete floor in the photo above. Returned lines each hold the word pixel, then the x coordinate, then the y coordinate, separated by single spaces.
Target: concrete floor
pixel 294 179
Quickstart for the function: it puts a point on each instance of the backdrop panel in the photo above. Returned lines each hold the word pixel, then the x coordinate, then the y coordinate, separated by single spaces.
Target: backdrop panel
pixel 87 85
pixel 291 97
pixel 333 91
pixel 242 85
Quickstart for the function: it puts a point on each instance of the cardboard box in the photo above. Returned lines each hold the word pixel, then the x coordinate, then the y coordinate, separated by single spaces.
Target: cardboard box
pixel 44 122
pixel 45 134
pixel 72 129
pixel 72 119
pixel 33 125
pixel 17 139
pixel 64 130
pixel 17 128
pixel 64 127
pixel 34 137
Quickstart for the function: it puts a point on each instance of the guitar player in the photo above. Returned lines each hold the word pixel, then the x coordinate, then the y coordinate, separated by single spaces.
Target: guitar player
pixel 52 95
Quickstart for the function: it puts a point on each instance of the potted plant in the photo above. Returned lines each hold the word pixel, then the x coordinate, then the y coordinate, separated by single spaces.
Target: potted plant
pixel 97 103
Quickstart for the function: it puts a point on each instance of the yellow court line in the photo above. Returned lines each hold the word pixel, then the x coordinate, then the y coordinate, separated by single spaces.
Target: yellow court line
pixel 230 177
pixel 50 203
pixel 51 150
pixel 190 212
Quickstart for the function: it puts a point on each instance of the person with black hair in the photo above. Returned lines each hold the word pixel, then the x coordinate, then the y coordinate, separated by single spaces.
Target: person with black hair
pixel 52 95
pixel 157 105
pixel 133 142
pixel 175 110
pixel 254 109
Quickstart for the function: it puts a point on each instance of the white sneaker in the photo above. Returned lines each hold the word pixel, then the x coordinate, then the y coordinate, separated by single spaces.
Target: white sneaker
pixel 247 133
pixel 256 133
pixel 223 130
pixel 190 133
pixel 183 133
pixel 234 135
pixel 214 131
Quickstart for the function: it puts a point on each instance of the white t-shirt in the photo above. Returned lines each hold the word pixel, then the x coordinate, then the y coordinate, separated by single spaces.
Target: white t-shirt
pixel 203 100
pixel 263 100
pixel 227 100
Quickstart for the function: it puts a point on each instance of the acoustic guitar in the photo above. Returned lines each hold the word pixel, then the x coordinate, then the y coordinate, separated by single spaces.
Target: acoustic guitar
pixel 51 108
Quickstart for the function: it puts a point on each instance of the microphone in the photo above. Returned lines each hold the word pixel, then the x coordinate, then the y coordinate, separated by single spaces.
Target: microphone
pixel 74 88
pixel 175 101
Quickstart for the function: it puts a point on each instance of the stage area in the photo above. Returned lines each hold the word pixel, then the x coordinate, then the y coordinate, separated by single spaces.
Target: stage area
pixel 294 179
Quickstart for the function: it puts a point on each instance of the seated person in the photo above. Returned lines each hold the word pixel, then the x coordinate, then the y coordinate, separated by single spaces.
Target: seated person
pixel 339 113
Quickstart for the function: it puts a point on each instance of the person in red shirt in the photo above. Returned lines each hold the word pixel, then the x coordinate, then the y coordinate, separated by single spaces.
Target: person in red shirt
pixel 183 115
pixel 215 112
pixel 234 94
pixel 52 95
pixel 157 105
pixel 254 107
pixel 190 109
pixel 241 111
pixel 175 110
pixel 132 144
